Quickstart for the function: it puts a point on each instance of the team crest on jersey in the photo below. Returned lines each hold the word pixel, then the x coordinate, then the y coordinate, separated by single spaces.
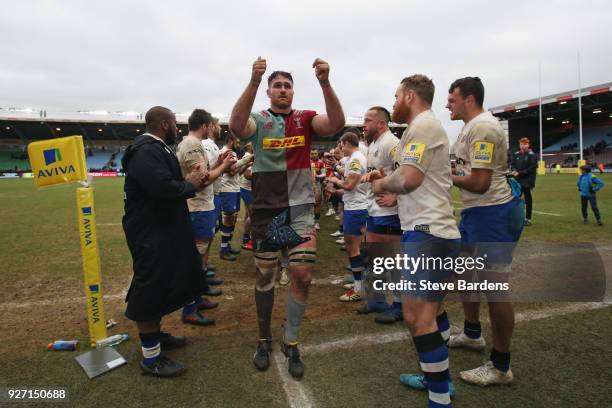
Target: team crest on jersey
pixel 483 152
pixel 413 153
pixel 267 125
pixel 284 143
pixel 298 122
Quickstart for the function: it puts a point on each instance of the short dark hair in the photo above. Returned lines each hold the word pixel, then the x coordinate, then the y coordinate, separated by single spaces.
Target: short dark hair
pixel 585 168
pixel 155 116
pixel 199 118
pixel 422 85
pixel 469 86
pixel 230 136
pixel 351 138
pixel 276 74
pixel 354 131
pixel 382 111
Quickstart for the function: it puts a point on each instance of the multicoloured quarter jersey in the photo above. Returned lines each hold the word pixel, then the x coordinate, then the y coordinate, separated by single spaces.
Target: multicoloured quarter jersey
pixel 318 169
pixel 282 175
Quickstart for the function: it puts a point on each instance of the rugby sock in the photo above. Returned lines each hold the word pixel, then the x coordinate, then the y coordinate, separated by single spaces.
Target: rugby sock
pixel 433 358
pixel 500 360
pixel 150 347
pixel 295 314
pixel 198 301
pixel 246 237
pixel 443 326
pixel 190 308
pixel 357 267
pixel 226 236
pixel 229 242
pixel 317 217
pixel 472 330
pixel 341 228
pixel 264 302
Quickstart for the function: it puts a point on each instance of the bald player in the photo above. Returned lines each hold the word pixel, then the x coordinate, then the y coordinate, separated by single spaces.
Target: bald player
pixel 167 265
pixel 383 224
pixel 422 182
pixel 283 198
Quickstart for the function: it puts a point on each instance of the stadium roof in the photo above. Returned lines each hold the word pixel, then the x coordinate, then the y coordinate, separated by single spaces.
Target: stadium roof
pixel 129 117
pixel 594 97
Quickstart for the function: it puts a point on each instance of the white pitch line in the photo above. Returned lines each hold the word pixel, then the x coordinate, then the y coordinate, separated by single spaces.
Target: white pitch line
pixel 295 390
pixel 547 213
pixel 227 288
pixel 374 339
pixel 362 340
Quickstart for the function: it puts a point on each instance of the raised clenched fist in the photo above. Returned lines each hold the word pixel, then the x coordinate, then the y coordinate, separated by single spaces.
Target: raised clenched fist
pixel 321 69
pixel 259 68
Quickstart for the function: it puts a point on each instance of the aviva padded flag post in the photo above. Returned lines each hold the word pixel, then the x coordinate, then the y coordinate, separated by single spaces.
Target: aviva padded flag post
pixel 61 161
pixel 91 264
pixel 58 161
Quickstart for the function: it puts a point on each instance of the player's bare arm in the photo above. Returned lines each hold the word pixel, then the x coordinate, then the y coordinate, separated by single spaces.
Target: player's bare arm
pixel 478 182
pixel 220 168
pixel 402 181
pixel 330 123
pixel 241 124
pixel 348 184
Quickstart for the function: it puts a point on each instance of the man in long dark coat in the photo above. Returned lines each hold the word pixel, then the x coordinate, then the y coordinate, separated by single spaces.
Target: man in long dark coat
pixel 167 266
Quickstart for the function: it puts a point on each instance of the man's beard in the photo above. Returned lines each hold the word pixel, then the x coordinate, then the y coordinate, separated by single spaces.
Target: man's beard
pixel 369 137
pixel 170 138
pixel 400 114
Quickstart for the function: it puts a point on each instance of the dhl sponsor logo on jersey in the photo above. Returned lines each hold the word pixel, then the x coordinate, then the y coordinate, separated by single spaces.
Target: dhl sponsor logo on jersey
pixel 284 143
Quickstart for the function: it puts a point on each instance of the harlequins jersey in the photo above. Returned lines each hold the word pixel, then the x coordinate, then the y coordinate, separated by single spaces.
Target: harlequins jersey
pixel 281 170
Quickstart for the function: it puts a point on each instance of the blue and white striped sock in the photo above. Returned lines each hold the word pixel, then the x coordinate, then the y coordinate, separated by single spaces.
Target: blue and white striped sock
pixel 226 236
pixel 433 358
pixel 190 308
pixel 357 268
pixel 151 348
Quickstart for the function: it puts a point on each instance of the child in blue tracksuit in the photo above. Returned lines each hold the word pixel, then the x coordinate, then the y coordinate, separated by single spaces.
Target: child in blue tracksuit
pixel 588 185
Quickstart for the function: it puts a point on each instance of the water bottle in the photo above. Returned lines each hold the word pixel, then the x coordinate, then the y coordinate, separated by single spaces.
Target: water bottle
pixel 112 340
pixel 63 345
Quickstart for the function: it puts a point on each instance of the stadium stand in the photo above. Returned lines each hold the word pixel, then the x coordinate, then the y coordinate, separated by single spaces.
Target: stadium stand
pixel 560 125
pixel 13 160
pixel 591 137
pixel 105 134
